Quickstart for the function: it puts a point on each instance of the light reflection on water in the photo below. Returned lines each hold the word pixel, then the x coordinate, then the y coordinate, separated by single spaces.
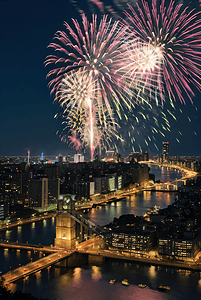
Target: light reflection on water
pixel 137 204
pixel 96 274
pixel 8 234
pixel 152 272
pixel 77 275
pixel 92 282
pixel 38 278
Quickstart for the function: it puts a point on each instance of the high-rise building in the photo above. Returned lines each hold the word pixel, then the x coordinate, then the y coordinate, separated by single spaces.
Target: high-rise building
pixel 110 155
pixel 165 151
pixel 38 192
pixel 28 157
pixel 53 190
pixel 138 156
pixel 78 158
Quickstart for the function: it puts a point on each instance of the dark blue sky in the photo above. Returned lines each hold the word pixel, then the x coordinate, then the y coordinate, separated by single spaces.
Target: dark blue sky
pixel 26 110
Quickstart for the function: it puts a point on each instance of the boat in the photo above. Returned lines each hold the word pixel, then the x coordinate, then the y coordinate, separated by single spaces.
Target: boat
pixel 164 288
pixel 112 281
pixel 125 282
pixel 142 285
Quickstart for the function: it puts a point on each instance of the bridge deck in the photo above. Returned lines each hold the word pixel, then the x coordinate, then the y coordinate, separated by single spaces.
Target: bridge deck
pixel 35 266
pixel 42 263
pixel 23 246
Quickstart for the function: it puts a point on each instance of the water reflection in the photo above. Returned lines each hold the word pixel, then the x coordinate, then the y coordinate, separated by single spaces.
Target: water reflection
pixel 38 278
pixel 7 234
pixel 152 272
pixel 29 255
pixel 77 275
pixel 19 230
pixel 96 274
pixel 137 204
pixel 6 254
pixel 74 284
pixel 18 254
pixel 57 272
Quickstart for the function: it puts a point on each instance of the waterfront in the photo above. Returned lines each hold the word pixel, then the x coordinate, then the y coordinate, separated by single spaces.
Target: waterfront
pixel 89 282
pixel 92 282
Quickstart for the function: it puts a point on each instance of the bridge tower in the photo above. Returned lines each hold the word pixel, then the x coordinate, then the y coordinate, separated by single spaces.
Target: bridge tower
pixel 65 225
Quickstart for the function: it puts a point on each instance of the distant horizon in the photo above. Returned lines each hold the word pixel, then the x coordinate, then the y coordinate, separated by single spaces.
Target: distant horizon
pixel 55 155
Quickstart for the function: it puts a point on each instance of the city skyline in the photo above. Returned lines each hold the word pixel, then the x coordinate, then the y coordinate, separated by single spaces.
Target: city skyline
pixel 27 112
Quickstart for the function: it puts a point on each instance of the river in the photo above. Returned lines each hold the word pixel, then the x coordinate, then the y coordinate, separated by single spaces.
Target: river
pixel 92 282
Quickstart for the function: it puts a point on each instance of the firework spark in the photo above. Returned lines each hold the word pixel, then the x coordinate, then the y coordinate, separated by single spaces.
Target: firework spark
pixel 95 49
pixel 166 48
pixel 147 124
pixel 88 124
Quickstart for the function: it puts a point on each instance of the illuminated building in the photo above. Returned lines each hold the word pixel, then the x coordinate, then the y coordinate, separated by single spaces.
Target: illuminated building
pixel 2 208
pixel 53 190
pixel 138 241
pixel 179 248
pixel 38 192
pixel 110 156
pixel 111 183
pixel 138 156
pixel 28 157
pixel 165 152
pixel 78 158
pixel 83 189
pixel 101 185
pixel 42 156
pixel 65 225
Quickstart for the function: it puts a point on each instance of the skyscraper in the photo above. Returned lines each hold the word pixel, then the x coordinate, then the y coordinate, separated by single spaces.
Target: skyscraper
pixel 165 152
pixel 38 192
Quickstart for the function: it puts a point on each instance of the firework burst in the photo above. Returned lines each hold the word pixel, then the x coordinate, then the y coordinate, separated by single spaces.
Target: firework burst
pixel 95 49
pixel 85 123
pixel 165 51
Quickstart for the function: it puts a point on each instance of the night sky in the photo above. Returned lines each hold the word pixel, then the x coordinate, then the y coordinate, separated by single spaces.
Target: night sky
pixel 27 110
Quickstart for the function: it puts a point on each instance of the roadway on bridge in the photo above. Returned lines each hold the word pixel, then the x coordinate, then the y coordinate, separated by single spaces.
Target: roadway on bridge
pixel 23 246
pixel 42 263
pixel 35 266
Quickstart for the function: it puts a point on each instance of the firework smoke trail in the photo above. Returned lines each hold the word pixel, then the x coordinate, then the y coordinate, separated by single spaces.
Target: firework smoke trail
pixel 75 94
pixel 88 124
pixel 173 34
pixel 91 128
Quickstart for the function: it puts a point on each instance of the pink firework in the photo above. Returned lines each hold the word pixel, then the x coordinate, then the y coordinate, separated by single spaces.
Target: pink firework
pixel 93 48
pixel 166 47
pixel 74 141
